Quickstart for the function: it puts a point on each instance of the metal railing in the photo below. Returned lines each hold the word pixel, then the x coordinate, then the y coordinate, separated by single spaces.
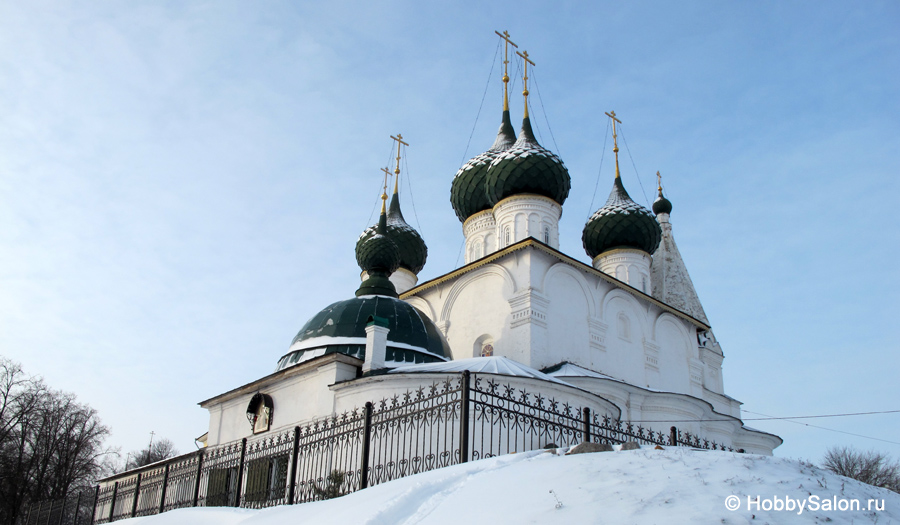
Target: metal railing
pixel 465 417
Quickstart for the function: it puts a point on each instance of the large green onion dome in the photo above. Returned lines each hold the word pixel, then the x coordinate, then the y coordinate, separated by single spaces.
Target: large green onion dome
pixel 620 223
pixel 527 167
pixel 410 244
pixel 341 328
pixel 468 193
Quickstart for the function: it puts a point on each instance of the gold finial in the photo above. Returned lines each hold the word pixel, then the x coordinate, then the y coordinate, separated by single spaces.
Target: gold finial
pixel 505 36
pixel 387 173
pixel 399 139
pixel 615 139
pixel 524 55
pixel 659 182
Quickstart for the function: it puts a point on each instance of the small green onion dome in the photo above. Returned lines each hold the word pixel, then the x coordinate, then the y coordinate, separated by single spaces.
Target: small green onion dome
pixel 413 251
pixel 341 328
pixel 377 252
pixel 620 223
pixel 527 167
pixel 661 204
pixel 467 193
pixel 379 257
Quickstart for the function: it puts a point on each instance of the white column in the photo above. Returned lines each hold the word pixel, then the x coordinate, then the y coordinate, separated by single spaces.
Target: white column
pixel 376 345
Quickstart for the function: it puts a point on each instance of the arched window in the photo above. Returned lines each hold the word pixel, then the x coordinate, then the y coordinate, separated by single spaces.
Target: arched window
pixel 259 412
pixel 624 327
pixel 507 235
pixel 546 235
pixel 483 346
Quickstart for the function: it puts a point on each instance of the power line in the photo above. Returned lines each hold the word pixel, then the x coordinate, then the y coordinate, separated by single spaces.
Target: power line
pixel 790 419
pixel 544 111
pixel 771 418
pixel 475 124
pixel 599 170
pixel 622 132
pixel 409 185
pixel 835 430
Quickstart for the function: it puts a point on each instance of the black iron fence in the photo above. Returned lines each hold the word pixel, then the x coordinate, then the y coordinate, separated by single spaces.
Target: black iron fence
pixel 465 417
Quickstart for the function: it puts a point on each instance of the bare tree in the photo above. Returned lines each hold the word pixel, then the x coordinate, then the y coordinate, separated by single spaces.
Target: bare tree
pixel 50 444
pixel 159 450
pixel 874 468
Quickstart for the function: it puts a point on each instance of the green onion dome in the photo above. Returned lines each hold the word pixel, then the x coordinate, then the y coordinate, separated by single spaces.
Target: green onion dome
pixel 620 223
pixel 527 167
pixel 467 193
pixel 413 251
pixel 661 204
pixel 379 257
pixel 341 328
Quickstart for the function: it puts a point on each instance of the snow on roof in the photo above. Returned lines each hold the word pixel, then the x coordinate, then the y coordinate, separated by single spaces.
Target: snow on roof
pixel 484 365
pixel 570 370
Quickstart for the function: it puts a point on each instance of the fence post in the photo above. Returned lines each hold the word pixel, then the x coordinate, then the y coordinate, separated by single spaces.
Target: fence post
pixel 165 485
pixel 197 482
pixel 94 509
pixel 112 502
pixel 464 417
pixel 240 479
pixel 366 446
pixel 62 511
pixel 294 452
pixel 673 436
pixel 587 424
pixel 77 508
pixel 137 493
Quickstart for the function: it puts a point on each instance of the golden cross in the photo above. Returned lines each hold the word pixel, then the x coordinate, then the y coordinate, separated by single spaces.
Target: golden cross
pixel 659 182
pixel 399 139
pixel 524 55
pixel 505 36
pixel 615 140
pixel 387 173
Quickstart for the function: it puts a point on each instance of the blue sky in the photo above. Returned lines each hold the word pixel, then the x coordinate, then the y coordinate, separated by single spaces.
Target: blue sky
pixel 182 183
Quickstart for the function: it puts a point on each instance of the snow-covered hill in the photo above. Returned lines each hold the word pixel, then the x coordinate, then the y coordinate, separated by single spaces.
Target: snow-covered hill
pixel 675 485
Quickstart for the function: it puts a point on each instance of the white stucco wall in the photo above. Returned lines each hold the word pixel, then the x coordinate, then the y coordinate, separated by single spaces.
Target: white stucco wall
pixel 540 311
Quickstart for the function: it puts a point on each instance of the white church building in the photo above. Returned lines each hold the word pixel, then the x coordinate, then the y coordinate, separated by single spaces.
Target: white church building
pixel 627 334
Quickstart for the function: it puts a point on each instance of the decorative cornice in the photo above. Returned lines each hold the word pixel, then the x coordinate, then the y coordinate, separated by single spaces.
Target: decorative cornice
pixel 479 221
pixel 597 332
pixel 528 306
pixel 528 200
pixel 534 243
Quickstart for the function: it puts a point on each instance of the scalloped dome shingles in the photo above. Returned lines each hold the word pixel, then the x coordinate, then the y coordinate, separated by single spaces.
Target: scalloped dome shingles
pixel 620 223
pixel 528 167
pixel 377 252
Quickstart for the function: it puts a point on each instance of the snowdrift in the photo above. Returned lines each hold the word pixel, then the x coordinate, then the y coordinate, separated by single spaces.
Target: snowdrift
pixel 646 486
